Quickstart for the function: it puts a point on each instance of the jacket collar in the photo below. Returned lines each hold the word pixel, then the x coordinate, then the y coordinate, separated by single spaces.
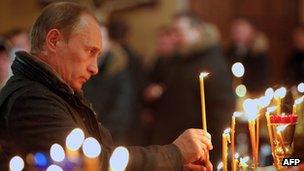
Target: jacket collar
pixel 35 69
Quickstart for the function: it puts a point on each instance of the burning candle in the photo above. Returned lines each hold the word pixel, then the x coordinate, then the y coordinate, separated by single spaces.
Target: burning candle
pixel 219 166
pixel 203 105
pixel 279 94
pixel 279 130
pixel 243 163
pixel 225 140
pixel 91 150
pixel 251 109
pixel 235 162
pixel 269 93
pixel 235 114
pixel 297 102
pixel 267 115
pixel 300 87
pixel 119 159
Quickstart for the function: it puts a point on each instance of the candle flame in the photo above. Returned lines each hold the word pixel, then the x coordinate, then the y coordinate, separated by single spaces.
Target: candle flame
pixel 227 131
pixel 271 109
pixel 237 114
pixel 280 93
pixel 119 159
pixel 243 161
pixel 299 100
pixel 281 128
pixel 203 74
pixel 263 101
pixel 301 87
pixel 251 108
pixel 236 155
pixel 269 93
pixel 220 166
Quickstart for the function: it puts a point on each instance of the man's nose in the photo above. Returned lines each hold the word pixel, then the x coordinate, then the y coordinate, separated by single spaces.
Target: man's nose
pixel 93 69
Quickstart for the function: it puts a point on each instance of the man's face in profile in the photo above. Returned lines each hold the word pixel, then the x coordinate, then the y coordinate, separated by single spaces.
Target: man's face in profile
pixel 78 55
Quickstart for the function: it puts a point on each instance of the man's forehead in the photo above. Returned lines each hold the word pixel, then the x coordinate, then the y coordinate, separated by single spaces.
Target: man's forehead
pixel 88 28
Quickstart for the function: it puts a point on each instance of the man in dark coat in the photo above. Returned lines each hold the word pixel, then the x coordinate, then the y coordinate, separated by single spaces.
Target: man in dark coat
pixel 42 102
pixel 250 47
pixel 199 52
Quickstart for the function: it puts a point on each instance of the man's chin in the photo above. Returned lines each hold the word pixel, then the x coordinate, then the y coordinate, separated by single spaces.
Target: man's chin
pixel 77 88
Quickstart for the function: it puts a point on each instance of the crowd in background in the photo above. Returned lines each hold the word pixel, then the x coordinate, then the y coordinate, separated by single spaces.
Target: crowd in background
pixel 141 106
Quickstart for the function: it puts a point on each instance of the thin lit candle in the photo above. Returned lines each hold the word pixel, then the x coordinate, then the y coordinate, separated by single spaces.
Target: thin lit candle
pixel 279 94
pixel 279 130
pixel 270 133
pixel 243 162
pixel 297 102
pixel 235 162
pixel 203 104
pixel 225 140
pixel 233 123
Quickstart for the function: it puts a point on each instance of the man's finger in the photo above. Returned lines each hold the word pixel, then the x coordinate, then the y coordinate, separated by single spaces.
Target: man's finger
pixel 208 165
pixel 193 167
pixel 202 133
pixel 202 149
pixel 206 141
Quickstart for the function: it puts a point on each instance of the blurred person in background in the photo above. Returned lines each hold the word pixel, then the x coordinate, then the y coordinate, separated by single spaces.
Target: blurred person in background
pixel 159 76
pixel 19 40
pixel 179 105
pixel 295 64
pixel 5 61
pixel 250 46
pixel 112 91
pixel 120 34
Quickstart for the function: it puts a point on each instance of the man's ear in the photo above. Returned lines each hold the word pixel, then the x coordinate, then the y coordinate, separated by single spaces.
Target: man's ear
pixel 52 39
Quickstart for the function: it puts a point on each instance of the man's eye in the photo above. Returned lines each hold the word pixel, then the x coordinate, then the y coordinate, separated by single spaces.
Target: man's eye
pixel 92 52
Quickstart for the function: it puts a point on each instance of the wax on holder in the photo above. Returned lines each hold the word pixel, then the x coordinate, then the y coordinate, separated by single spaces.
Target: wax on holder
pixel 284 119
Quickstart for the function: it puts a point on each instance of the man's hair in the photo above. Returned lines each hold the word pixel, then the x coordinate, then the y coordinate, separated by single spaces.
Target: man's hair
pixel 63 16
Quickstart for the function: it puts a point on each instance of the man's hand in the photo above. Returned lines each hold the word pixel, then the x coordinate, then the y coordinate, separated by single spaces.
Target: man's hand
pixel 194 145
pixel 199 166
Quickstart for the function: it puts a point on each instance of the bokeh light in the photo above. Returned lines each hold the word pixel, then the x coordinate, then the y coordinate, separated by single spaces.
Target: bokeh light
pixel 75 139
pixel 54 167
pixel 119 159
pixel 241 90
pixel 16 163
pixel 238 69
pixel 57 153
pixel 91 148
